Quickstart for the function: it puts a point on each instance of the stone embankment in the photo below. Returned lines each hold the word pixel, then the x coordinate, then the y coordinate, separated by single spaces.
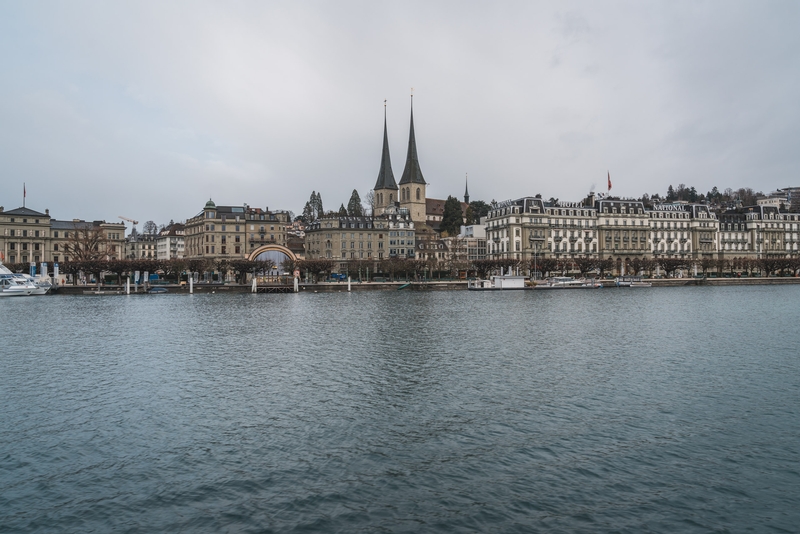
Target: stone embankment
pixel 334 287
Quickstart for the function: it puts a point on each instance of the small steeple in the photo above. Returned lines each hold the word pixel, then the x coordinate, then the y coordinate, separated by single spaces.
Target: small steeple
pixel 412 173
pixel 466 189
pixel 385 174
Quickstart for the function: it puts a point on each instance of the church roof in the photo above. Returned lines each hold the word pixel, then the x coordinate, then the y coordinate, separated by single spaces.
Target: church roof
pixel 385 174
pixel 412 174
pixel 435 207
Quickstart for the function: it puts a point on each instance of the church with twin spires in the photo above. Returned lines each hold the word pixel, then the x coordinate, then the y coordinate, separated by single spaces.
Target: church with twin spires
pixel 410 194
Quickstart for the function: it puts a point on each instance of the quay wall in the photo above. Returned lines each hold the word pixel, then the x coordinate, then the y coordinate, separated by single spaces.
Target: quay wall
pixel 420 286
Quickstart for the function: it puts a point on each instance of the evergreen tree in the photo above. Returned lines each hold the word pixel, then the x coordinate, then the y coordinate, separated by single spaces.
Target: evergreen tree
pixel 479 209
pixel 452 218
pixel 354 208
pixel 316 203
pixel 308 213
pixel 671 194
pixel 342 211
pixel 470 216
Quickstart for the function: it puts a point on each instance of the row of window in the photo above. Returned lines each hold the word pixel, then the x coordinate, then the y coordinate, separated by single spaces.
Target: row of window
pixel 224 216
pixel 13 219
pixel 223 249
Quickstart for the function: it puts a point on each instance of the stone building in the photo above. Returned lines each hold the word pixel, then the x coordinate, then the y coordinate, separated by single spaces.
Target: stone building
pixel 69 235
pixel 141 246
pixel 29 236
pixel 755 231
pixel 371 239
pixel 25 236
pixel 234 232
pixel 623 230
pixel 170 244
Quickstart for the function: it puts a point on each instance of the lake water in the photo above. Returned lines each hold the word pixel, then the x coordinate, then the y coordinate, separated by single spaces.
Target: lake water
pixel 615 410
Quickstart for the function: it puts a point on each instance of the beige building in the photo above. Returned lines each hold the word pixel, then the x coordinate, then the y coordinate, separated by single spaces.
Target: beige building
pixel 349 239
pixel 234 232
pixel 757 231
pixel 522 229
pixel 624 230
pixel 28 236
pixel 141 246
pixel 25 236
pixel 109 239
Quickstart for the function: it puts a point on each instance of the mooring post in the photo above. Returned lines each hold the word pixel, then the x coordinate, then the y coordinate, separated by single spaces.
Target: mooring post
pixel 348 282
pixel 127 286
pixel 191 283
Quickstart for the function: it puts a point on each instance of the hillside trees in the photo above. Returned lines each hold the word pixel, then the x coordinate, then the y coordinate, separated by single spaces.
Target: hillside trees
pixel 452 218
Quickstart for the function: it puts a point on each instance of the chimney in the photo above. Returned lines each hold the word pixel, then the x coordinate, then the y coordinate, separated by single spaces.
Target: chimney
pixel 1 209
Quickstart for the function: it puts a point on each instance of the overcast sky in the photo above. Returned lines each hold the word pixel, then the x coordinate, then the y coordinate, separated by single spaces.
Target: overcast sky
pixel 148 109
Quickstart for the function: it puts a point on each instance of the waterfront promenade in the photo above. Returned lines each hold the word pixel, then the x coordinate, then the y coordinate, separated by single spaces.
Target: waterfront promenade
pixel 430 285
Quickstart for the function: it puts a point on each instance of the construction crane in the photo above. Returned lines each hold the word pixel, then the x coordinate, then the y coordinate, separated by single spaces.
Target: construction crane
pixel 129 220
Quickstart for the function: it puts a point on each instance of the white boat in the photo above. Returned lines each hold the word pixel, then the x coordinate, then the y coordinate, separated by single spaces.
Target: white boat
pixel 569 282
pixel 11 286
pixel 497 283
pixel 631 281
pixel 40 285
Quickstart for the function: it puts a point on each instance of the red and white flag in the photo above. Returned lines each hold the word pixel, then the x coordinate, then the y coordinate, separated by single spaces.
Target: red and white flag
pixel 609 180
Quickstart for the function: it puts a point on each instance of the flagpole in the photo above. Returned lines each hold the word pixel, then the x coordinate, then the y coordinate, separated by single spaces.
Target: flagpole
pixel 24 194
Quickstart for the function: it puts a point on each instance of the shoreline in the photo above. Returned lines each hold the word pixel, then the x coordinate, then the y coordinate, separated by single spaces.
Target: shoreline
pixel 332 287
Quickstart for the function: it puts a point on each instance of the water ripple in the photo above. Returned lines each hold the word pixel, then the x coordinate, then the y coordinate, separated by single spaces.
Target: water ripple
pixel 659 410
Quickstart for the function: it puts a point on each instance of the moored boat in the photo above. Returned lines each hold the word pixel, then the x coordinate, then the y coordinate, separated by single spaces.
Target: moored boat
pixel 569 282
pixel 631 281
pixel 15 284
pixel 14 287
pixel 498 282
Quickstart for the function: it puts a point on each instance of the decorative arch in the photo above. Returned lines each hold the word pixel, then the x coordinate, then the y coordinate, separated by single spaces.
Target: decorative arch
pixel 266 248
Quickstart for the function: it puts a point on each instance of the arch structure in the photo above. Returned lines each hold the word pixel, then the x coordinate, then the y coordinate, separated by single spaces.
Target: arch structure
pixel 272 248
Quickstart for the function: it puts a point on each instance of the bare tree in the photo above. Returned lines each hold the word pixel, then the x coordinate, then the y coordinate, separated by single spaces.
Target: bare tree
pixel 585 264
pixel 369 202
pixel 150 227
pixel 85 242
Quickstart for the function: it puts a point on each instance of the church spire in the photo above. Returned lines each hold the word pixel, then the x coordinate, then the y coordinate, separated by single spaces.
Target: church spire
pixel 466 189
pixel 412 173
pixel 385 174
